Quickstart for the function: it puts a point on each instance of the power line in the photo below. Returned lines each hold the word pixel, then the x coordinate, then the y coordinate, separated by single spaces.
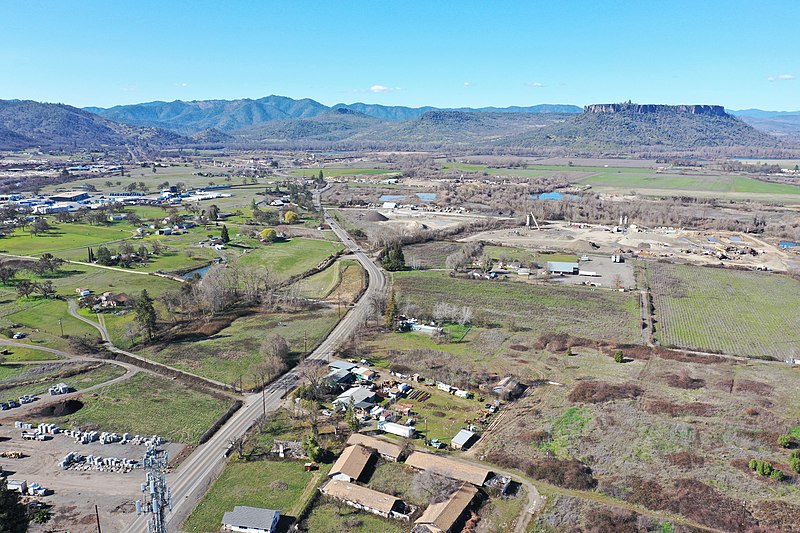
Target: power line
pixel 156 496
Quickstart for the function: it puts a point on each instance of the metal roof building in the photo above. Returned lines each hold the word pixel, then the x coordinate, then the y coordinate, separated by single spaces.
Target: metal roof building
pixel 462 440
pixel 444 517
pixel 251 520
pixel 561 267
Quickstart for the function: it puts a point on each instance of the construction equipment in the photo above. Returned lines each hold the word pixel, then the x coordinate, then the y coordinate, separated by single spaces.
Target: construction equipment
pixel 12 454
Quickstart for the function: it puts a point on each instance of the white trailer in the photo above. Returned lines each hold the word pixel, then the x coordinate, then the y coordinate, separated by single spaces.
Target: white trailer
pixel 397 429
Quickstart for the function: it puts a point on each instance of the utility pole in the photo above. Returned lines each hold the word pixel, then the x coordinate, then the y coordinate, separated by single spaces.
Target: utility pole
pixel 264 396
pixel 61 325
pixel 305 342
pixel 97 516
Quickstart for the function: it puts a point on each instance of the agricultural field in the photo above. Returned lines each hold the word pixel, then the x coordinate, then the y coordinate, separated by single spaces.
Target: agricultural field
pixel 63 236
pixel 292 257
pixel 333 172
pixel 751 314
pixel 229 354
pixel 721 184
pixel 148 405
pixel 540 309
pixel 341 281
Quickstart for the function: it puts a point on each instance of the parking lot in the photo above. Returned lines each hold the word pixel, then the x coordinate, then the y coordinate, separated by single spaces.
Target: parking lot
pixel 608 273
pixel 75 493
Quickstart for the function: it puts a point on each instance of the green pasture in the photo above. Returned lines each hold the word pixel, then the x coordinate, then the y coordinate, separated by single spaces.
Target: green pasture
pixel 288 258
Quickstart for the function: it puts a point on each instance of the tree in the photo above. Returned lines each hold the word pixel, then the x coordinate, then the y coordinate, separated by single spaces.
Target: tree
pixel 393 258
pixel 212 212
pixel 433 487
pixel 45 289
pixel 25 288
pixel 391 311
pixel 146 314
pixel 313 374
pixel 225 236
pixel 312 448
pixel 268 234
pixel 619 357
pixel 39 225
pixel 104 256
pixel 352 417
pixel 48 263
pixel 13 513
pixel 290 217
pixel 7 273
pixel 275 346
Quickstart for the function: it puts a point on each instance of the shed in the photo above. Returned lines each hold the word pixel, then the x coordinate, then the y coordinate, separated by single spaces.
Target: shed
pixel 462 440
pixel 447 467
pixel 342 365
pixel 251 519
pixel 362 398
pixel 339 377
pixel 19 485
pixel 351 464
pixel 561 267
pixel 447 516
pixel 387 450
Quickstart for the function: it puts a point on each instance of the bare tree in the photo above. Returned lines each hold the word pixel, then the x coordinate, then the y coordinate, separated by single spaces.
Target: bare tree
pixel 433 487
pixel 313 374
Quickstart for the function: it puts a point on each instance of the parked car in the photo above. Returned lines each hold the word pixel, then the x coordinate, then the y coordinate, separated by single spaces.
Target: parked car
pixel 19 335
pixel 13 403
pixel 4 407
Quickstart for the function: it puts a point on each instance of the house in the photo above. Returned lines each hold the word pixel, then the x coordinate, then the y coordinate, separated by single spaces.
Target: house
pixel 251 520
pixel 361 398
pixel 339 377
pixel 447 516
pixel 351 464
pixel 342 365
pixel 366 499
pixel 387 450
pixel 365 373
pixel 110 299
pixel 451 468
pixel 561 267
pixel 462 440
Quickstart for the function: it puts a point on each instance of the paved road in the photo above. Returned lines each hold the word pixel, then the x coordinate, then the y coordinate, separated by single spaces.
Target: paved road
pixel 190 482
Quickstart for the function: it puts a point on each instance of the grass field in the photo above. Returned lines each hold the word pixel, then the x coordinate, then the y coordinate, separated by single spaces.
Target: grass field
pixel 63 236
pixel 434 254
pixel 255 484
pixel 722 184
pixel 326 283
pixel 327 518
pixel 579 311
pixel 727 311
pixel 47 375
pixel 27 354
pixel 229 355
pixel 149 405
pixel 295 256
pixel 10 371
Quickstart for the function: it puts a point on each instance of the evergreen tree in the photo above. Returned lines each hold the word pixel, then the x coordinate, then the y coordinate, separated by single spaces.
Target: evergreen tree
pixel 104 256
pixel 13 513
pixel 391 311
pixel 393 258
pixel 146 314
pixel 224 235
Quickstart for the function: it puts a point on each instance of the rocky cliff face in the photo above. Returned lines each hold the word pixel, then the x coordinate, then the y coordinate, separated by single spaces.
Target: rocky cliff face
pixel 711 110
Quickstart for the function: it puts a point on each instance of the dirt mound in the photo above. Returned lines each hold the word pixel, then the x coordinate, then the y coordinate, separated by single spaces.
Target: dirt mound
pixel 373 216
pixel 64 408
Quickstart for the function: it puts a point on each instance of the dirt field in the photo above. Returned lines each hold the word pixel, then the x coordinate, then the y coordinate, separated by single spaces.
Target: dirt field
pixel 561 236
pixel 76 493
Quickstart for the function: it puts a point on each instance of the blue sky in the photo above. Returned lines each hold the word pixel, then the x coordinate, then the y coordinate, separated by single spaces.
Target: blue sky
pixel 740 54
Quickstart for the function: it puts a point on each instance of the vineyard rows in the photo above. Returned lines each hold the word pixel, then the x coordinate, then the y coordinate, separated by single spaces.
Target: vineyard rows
pixel 726 311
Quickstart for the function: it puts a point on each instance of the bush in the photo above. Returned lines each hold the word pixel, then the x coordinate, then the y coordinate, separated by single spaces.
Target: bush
pixel 619 357
pixel 600 391
pixel 785 440
pixel 777 475
pixel 794 464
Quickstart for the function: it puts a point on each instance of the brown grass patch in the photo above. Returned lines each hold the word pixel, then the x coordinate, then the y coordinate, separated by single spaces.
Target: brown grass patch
pixel 569 474
pixel 600 391
pixel 685 460
pixel 682 380
pixel 658 407
pixel 756 387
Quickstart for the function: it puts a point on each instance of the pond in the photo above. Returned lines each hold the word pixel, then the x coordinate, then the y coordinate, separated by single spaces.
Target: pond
pixel 202 271
pixel 391 197
pixel 789 244
pixel 552 196
pixel 426 196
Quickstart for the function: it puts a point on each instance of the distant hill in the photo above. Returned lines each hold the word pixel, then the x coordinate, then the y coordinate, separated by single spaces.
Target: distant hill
pixel 231 115
pixel 614 126
pixel 782 123
pixel 27 124
pixel 339 124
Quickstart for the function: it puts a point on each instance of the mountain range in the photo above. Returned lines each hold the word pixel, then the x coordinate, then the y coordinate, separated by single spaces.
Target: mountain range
pixel 282 122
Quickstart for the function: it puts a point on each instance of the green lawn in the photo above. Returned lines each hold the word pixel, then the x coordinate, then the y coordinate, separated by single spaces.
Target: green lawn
pixel 295 256
pixel 578 311
pixel 323 284
pixel 727 311
pixel 148 405
pixel 27 354
pixel 8 371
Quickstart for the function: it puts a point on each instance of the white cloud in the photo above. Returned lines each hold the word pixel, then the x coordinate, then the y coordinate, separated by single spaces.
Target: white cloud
pixel 182 84
pixel 535 84
pixel 782 77
pixel 383 89
pixel 467 84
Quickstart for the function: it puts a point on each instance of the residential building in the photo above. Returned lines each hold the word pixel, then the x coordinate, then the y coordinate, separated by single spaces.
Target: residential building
pixel 251 520
pixel 361 397
pixel 366 499
pixel 387 450
pixel 444 466
pixel 447 516
pixel 351 464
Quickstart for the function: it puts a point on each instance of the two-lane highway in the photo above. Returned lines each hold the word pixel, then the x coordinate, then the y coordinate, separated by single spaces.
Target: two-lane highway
pixel 201 468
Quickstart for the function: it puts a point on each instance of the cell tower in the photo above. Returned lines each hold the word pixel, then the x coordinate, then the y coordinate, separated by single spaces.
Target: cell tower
pixel 156 496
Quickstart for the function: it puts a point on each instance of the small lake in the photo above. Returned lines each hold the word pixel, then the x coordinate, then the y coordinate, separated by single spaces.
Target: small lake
pixel 789 244
pixel 426 196
pixel 200 272
pixel 552 196
pixel 391 197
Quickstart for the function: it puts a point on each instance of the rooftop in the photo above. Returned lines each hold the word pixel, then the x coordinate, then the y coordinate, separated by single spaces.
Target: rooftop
pixel 251 517
pixel 443 515
pixel 381 446
pixel 447 467
pixel 372 499
pixel 352 461
pixel 463 437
